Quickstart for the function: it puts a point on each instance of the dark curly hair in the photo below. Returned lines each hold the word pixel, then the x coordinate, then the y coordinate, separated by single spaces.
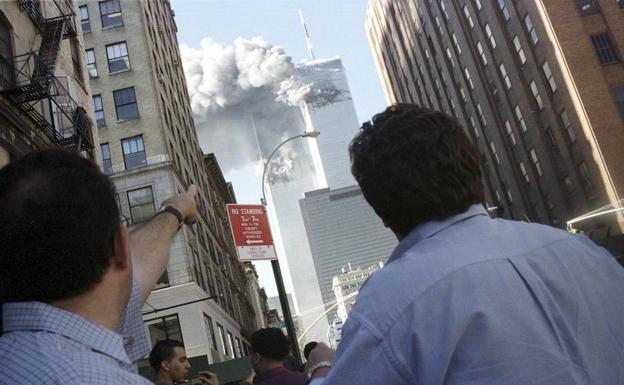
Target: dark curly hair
pixel 59 220
pixel 270 343
pixel 415 165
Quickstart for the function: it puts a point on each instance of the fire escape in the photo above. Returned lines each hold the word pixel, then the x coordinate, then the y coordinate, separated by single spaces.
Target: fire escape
pixel 34 89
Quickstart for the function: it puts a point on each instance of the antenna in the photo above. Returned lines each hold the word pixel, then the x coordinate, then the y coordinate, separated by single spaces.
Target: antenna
pixel 307 36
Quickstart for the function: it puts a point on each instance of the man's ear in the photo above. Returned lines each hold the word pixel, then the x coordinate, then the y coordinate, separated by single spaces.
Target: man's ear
pixel 165 366
pixel 120 260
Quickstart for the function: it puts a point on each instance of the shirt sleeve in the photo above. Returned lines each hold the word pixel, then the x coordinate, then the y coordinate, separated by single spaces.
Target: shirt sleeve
pixel 132 329
pixel 317 381
pixel 363 357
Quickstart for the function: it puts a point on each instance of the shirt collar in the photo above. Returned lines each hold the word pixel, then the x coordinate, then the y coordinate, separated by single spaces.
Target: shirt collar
pixel 431 228
pixel 38 316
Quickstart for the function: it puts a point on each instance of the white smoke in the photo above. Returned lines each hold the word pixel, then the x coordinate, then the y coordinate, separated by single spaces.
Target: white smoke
pixel 235 88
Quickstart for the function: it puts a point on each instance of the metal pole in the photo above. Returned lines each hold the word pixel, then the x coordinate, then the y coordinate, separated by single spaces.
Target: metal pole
pixel 277 272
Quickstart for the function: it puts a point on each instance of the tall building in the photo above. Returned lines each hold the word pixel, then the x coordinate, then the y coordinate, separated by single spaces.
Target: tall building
pixel 538 84
pixel 347 283
pixel 342 230
pixel 150 149
pixel 328 108
pixel 44 92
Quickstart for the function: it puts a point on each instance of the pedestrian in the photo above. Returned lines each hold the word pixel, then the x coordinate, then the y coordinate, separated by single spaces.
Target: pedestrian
pixel 169 361
pixel 465 298
pixel 269 348
pixel 72 279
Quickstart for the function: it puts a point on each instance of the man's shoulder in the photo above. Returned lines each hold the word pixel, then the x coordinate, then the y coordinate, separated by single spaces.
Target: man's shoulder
pixel 457 255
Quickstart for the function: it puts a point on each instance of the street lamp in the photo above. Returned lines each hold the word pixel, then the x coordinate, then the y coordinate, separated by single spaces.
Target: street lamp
pixel 309 134
pixel 277 272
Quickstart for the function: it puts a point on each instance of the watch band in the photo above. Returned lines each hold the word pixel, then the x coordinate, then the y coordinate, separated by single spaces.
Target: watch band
pixel 315 367
pixel 174 211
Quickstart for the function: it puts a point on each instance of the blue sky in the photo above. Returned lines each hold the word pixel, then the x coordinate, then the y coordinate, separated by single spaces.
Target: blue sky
pixel 336 28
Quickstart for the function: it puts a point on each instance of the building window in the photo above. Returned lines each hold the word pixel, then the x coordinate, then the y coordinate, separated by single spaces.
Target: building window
pixel 111 13
pixel 618 95
pixel 490 36
pixel 567 126
pixel 212 341
pixel 463 94
pixel 519 49
pixel 134 152
pixel 587 7
pixel 125 103
pixel 449 55
pixel 520 118
pixel 478 4
pixel 481 115
pixel 84 18
pixel 141 202
pixel 468 78
pixel 239 348
pixel 437 21
pixel 584 171
pixel 75 55
pixel 99 110
pixel 106 159
pixel 524 172
pixel 474 126
pixel 7 71
pixel 494 153
pixel 604 48
pixel 164 328
pixel 536 161
pixel 231 344
pixel 444 10
pixel 549 76
pixel 531 28
pixel 482 53
pixel 505 76
pixel 468 17
pixel 117 55
pixel 502 4
pixel 567 181
pixel 224 348
pixel 510 134
pixel 536 95
pixel 91 66
pixel 456 44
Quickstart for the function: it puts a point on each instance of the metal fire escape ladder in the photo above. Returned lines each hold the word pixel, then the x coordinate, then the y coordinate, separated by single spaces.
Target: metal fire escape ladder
pixel 38 93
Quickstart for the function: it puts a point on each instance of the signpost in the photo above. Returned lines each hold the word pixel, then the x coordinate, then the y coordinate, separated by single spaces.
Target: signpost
pixel 251 232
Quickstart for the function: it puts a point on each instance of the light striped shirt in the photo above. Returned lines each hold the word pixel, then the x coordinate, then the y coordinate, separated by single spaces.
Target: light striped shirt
pixel 43 344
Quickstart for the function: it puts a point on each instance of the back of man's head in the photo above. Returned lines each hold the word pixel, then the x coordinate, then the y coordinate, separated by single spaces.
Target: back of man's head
pixel 59 220
pixel 415 165
pixel 163 351
pixel 270 343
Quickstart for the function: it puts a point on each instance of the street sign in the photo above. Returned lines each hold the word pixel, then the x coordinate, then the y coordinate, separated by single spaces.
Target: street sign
pixel 251 232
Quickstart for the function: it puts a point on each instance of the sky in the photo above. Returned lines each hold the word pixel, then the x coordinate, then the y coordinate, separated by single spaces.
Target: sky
pixel 336 28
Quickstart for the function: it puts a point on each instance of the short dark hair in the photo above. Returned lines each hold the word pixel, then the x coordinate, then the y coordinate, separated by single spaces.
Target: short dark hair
pixel 414 165
pixel 163 351
pixel 59 221
pixel 308 348
pixel 270 343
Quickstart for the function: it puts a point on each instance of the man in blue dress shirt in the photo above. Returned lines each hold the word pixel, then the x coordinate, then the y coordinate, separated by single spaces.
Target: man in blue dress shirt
pixel 464 298
pixel 72 279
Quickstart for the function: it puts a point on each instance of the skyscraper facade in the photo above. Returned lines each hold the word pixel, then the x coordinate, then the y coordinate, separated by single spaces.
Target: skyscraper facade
pixel 342 230
pixel 149 147
pixel 539 86
pixel 328 109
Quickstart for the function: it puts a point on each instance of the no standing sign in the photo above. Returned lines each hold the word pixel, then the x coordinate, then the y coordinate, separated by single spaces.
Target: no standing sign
pixel 251 232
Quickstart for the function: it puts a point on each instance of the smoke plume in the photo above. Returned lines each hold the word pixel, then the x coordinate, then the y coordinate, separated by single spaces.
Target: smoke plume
pixel 236 88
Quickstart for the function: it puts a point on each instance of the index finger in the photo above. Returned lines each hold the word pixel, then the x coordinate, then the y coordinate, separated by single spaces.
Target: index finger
pixel 192 190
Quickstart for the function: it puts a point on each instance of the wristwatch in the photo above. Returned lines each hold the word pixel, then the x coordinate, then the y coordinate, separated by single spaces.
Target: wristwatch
pixel 174 211
pixel 315 367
